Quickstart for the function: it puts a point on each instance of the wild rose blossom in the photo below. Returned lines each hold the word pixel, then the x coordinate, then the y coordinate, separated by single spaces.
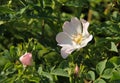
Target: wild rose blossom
pixel 75 35
pixel 26 59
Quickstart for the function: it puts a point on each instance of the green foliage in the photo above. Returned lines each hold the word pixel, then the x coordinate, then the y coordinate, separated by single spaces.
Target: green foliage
pixel 60 72
pixel 100 67
pixel 113 47
pixel 32 25
pixel 90 75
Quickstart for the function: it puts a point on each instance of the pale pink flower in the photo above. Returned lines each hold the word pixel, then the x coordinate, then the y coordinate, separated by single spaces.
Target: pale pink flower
pixel 75 35
pixel 26 59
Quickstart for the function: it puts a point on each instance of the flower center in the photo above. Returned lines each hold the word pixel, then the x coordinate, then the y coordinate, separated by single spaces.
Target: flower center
pixel 77 38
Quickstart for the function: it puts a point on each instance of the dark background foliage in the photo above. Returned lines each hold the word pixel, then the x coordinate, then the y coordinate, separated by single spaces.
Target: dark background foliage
pixel 32 25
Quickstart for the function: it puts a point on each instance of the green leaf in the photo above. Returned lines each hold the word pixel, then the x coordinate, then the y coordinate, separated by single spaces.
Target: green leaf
pixel 34 79
pixel 7 66
pixel 60 72
pixel 23 10
pixel 45 74
pixel 99 81
pixel 5 9
pixel 114 29
pixel 100 67
pixel 42 52
pixel 40 70
pixel 3 60
pixel 90 75
pixel 74 3
pixel 116 75
pixel 48 75
pixel 51 57
pixel 115 60
pixel 113 47
pixel 62 1
pixel 107 73
pixel 64 64
pixel 115 81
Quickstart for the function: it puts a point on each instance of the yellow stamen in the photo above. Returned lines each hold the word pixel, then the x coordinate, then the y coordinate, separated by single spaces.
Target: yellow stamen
pixel 77 38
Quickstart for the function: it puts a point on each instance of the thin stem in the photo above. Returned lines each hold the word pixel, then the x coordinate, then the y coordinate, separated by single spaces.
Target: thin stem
pixel 89 15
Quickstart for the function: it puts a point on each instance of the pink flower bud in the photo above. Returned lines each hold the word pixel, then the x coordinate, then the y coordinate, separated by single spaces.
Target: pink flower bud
pixel 26 59
pixel 76 70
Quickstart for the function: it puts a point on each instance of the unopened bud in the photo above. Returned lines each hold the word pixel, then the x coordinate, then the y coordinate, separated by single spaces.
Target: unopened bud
pixel 26 59
pixel 76 70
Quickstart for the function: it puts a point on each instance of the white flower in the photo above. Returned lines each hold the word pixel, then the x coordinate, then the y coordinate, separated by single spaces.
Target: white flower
pixel 75 35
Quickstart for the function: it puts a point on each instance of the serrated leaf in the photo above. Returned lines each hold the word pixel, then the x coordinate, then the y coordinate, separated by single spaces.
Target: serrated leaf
pixel 113 47
pixel 116 75
pixel 60 72
pixel 107 73
pixel 48 75
pixel 115 60
pixel 100 67
pixel 40 70
pixel 64 64
pixel 90 75
pixel 99 81
pixel 42 52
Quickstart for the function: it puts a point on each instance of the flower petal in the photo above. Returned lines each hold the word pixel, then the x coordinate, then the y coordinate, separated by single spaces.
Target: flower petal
pixel 73 27
pixel 26 59
pixel 85 42
pixel 66 50
pixel 63 38
pixel 85 27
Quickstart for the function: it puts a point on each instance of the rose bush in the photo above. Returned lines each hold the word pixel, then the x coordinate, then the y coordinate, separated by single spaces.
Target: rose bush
pixel 89 54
